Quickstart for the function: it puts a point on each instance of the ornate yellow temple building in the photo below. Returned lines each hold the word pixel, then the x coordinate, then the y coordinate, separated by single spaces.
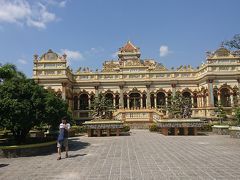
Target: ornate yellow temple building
pixel 141 88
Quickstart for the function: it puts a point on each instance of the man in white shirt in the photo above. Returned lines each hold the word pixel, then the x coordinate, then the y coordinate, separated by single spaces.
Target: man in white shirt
pixel 64 128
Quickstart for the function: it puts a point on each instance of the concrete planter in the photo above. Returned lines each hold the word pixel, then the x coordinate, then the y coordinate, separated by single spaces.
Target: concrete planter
pixel 27 150
pixel 220 129
pixel 234 132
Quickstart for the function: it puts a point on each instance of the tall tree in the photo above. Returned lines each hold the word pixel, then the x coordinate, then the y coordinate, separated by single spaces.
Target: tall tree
pixel 234 42
pixel 24 104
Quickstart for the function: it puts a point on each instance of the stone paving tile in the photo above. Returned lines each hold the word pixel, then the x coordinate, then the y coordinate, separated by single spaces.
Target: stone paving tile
pixel 143 155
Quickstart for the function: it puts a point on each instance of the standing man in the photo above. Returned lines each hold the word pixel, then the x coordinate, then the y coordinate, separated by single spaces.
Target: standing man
pixel 63 137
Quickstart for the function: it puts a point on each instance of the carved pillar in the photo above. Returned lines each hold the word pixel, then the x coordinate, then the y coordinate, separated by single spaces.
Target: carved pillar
pixel 207 101
pixel 128 102
pixel 210 93
pixel 198 101
pixel 192 100
pixel 96 91
pixel 114 101
pixel 231 99
pixel 173 89
pixel 121 105
pixel 219 98
pixel 89 102
pixel 166 104
pixel 64 91
pixel 148 96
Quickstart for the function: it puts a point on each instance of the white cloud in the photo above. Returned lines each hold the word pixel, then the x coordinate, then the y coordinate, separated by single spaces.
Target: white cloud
pixel 30 13
pixel 41 17
pixel 22 61
pixel 164 51
pixel 57 3
pixel 62 4
pixel 72 55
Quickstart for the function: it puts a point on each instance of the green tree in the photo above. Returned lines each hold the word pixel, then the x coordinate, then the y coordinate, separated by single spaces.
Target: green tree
pixel 221 113
pixel 234 42
pixel 9 71
pixel 24 104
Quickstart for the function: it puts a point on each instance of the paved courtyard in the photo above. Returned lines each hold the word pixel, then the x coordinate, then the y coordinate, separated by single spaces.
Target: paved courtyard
pixel 142 155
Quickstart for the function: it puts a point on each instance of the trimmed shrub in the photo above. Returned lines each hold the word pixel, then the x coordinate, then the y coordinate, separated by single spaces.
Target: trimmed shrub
pixel 126 128
pixel 153 127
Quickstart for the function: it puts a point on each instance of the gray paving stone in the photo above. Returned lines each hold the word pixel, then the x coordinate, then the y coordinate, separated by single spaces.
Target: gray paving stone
pixel 142 155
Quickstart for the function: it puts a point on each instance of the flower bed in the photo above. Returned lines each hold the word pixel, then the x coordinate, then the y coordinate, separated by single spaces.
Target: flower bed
pixel 28 150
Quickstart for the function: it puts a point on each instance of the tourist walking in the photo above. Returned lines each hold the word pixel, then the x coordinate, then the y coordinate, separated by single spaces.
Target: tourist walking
pixel 63 137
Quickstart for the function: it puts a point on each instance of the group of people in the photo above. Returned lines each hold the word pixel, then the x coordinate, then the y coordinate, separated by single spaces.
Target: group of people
pixel 63 137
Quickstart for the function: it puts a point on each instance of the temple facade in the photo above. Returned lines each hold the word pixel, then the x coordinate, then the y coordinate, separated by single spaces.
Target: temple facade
pixel 140 89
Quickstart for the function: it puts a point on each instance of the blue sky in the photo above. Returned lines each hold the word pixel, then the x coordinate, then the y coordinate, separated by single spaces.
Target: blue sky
pixel 91 31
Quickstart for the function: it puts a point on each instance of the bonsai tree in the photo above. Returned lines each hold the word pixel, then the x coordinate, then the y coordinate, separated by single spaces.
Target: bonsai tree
pixel 221 113
pixel 102 107
pixel 179 106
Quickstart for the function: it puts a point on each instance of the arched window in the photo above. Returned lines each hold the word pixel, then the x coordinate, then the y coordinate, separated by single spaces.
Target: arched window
pixel 134 100
pixel 225 97
pixel 187 96
pixel 84 102
pixel 144 97
pixel 152 101
pixel 161 100
pixel 109 98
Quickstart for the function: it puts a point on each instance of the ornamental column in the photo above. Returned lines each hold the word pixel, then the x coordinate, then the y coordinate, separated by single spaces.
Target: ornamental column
pixel 148 96
pixel 64 91
pixel 192 100
pixel 114 101
pixel 210 93
pixel 89 102
pixel 173 89
pixel 219 97
pixel 128 102
pixel 121 105
pixel 166 104
pixel 231 99
pixel 155 101
pixel 96 91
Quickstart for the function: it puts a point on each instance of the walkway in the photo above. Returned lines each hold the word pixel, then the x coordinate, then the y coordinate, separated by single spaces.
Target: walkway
pixel 143 155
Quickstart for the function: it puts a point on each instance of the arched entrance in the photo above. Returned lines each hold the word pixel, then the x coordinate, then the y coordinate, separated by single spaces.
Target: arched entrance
pixel 109 98
pixel 161 100
pixel 134 101
pixel 187 97
pixel 84 102
pixel 225 97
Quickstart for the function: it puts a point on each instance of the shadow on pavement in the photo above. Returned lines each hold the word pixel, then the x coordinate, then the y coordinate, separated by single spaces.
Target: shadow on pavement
pixel 3 165
pixel 76 155
pixel 75 144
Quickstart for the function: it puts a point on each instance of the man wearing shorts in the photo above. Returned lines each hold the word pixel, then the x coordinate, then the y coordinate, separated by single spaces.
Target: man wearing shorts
pixel 63 127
